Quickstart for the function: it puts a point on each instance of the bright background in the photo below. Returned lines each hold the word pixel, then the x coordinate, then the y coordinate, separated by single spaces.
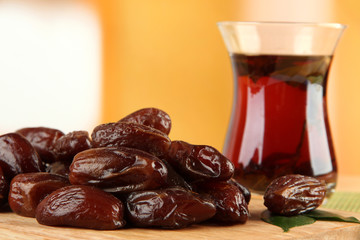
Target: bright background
pixel 72 64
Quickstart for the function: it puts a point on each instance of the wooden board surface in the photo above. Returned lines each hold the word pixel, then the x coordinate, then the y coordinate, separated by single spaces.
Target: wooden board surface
pixel 13 226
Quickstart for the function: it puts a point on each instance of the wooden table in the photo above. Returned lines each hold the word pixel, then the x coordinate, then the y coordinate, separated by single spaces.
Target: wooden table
pixel 17 227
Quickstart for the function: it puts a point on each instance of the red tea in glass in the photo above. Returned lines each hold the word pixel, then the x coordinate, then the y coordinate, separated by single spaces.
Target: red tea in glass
pixel 279 123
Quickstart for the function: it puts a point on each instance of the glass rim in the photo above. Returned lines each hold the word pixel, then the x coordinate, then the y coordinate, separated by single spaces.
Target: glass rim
pixel 285 23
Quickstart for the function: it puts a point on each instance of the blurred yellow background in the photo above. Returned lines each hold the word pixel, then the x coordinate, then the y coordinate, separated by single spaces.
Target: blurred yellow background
pixel 170 55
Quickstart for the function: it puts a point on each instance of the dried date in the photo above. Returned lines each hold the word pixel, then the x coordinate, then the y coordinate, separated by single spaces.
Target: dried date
pixel 168 208
pixel 231 206
pixel 67 146
pixel 294 194
pixel 17 156
pixel 81 206
pixel 132 135
pixel 246 192
pixel 118 169
pixel 199 162
pixel 28 189
pixel 43 140
pixel 151 117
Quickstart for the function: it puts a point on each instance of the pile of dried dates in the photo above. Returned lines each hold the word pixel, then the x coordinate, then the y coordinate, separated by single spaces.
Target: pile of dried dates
pixel 127 173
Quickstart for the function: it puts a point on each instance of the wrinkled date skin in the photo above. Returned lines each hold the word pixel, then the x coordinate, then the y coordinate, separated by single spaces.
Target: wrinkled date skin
pixel 168 208
pixel 81 206
pixel 133 135
pixel 4 188
pixel 151 117
pixel 43 140
pixel 118 170
pixel 231 206
pixel 28 189
pixel 294 194
pixel 199 162
pixel 17 156
pixel 245 191
pixel 67 146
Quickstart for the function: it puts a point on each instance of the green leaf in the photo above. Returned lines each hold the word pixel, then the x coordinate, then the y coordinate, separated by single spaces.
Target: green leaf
pixel 286 222
pixel 328 216
pixel 304 219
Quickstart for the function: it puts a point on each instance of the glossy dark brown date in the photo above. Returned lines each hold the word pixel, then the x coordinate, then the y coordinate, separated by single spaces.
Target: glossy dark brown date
pixel 168 208
pixel 17 156
pixel 28 189
pixel 67 146
pixel 43 140
pixel 151 117
pixel 199 162
pixel 133 135
pixel 245 191
pixel 231 206
pixel 294 194
pixel 118 169
pixel 81 206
